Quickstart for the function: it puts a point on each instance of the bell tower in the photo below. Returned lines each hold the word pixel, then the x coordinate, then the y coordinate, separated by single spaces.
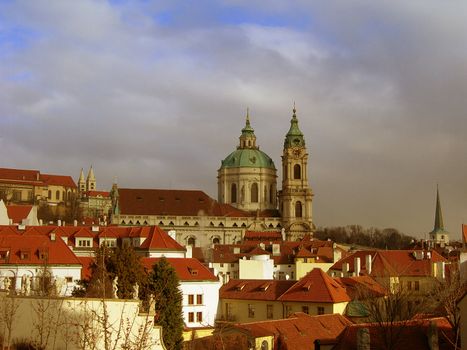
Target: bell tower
pixel 295 198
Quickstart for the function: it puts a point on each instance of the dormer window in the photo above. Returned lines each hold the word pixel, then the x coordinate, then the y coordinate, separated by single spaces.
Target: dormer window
pixel 84 242
pixel 24 255
pixel 4 254
pixel 43 254
pixel 193 272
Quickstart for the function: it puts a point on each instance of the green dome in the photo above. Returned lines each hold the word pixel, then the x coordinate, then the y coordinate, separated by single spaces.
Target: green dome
pixel 248 157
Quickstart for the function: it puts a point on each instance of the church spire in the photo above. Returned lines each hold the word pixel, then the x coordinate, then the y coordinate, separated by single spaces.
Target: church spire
pixel 248 137
pixel 294 137
pixel 439 226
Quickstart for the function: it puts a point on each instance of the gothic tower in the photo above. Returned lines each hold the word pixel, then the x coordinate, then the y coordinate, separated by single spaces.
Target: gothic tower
pixel 295 198
pixel 439 235
pixel 81 183
pixel 91 180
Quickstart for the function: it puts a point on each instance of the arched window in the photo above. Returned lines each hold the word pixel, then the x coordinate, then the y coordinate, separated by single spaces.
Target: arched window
pixel 216 240
pixel 49 194
pixel 271 194
pixel 233 193
pixel 64 196
pixel 254 193
pixel 69 195
pixel 191 241
pixel 57 195
pixel 265 193
pixel 297 171
pixel 298 209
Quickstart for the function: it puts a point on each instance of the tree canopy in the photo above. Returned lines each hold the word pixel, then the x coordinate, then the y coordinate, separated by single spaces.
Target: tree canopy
pixel 163 284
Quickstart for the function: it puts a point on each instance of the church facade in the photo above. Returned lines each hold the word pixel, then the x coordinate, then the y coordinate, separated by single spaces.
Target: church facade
pixel 248 197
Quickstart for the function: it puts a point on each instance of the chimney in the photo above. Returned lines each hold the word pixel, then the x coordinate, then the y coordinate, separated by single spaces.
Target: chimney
pixel 59 222
pixel 189 252
pixel 52 236
pixel 363 339
pixel 345 269
pixel 41 222
pixel 75 222
pixel 368 264
pixel 276 249
pixel 10 221
pixel 63 223
pixel 433 336
pixel 357 266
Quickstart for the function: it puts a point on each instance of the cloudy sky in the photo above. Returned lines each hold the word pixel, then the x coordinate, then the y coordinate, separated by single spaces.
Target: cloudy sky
pixel 155 93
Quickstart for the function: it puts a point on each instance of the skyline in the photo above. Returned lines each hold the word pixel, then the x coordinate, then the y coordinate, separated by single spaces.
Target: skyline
pixel 156 94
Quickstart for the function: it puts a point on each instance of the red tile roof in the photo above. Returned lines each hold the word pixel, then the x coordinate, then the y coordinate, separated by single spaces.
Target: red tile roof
pixel 172 202
pixel 19 175
pixel 361 286
pixel 57 252
pixel 18 212
pixel 104 194
pixel 58 180
pixel 318 287
pixel 158 239
pixel 304 253
pixel 392 262
pixel 254 289
pixel 299 331
pixel 86 262
pixel 411 334
pixel 188 269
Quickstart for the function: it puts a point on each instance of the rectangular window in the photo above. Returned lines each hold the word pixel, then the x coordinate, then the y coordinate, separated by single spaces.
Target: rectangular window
pixel 232 265
pixel 199 299
pixel 199 317
pixel 191 317
pixel 320 310
pixel 417 285
pixel 288 310
pixel 191 299
pixel 228 310
pixel 251 311
pixel 69 279
pixel 269 312
pixel 222 265
pixel 305 310
pixel 409 285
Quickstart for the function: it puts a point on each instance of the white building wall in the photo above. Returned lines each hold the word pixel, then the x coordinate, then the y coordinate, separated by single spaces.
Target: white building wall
pixel 259 267
pixel 61 273
pixel 66 318
pixel 210 292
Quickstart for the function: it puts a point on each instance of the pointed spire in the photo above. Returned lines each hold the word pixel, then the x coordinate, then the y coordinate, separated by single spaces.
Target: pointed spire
pixel 248 138
pixel 247 129
pixel 294 137
pixel 439 226
pixel 81 176
pixel 91 174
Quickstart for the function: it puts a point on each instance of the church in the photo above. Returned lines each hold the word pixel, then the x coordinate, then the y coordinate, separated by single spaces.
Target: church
pixel 248 197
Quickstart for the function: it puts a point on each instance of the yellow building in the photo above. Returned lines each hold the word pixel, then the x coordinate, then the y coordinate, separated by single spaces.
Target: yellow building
pixel 259 300
pixel 31 187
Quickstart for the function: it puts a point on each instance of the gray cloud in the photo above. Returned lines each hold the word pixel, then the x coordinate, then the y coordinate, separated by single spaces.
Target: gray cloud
pixel 156 95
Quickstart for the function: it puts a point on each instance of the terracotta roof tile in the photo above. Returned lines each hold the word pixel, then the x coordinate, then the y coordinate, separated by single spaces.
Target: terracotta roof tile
pixel 56 251
pixel 316 286
pixel 254 289
pixel 172 202
pixel 18 212
pixel 412 334
pixel 158 239
pixel 299 331
pixel 188 269
pixel 58 180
